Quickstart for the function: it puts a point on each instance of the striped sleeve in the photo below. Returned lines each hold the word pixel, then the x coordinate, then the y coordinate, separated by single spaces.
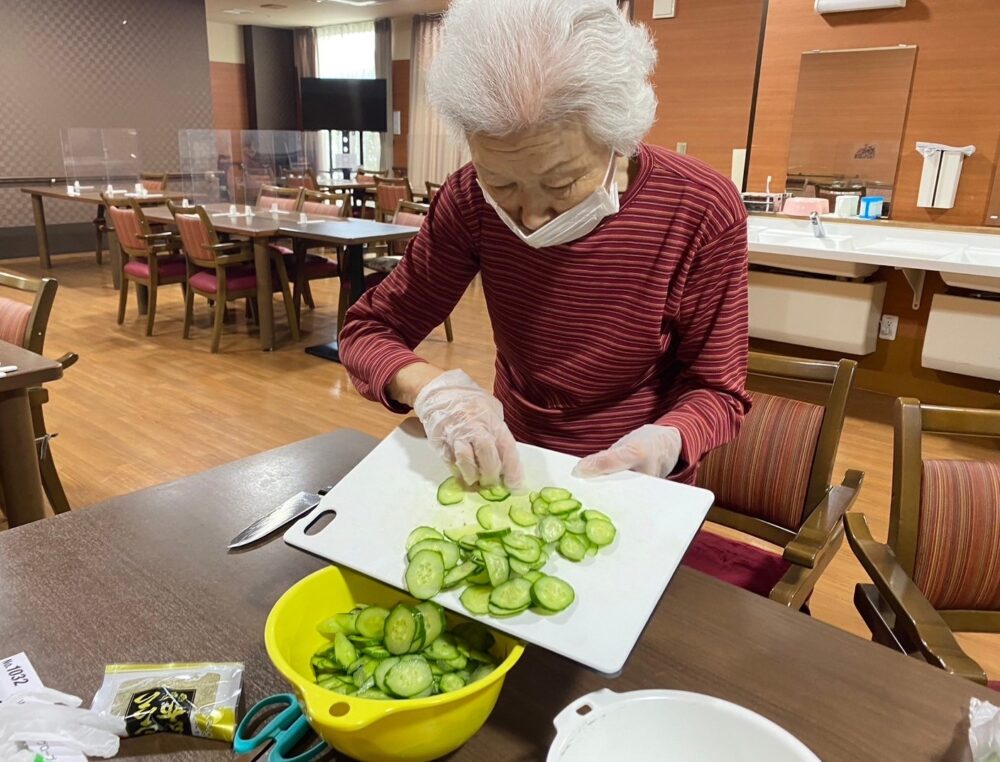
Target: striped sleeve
pixel 710 398
pixel 385 325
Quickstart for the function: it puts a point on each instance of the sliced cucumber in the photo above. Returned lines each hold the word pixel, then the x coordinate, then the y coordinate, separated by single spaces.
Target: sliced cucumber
pixel 364 676
pixel 451 682
pixel 459 573
pixel 455 534
pixel 552 593
pixel 490 545
pixel 572 547
pixel 494 494
pixel 376 652
pixel 332 683
pixel 532 576
pixel 600 532
pixel 482 672
pixel 575 524
pixel 425 574
pixel 420 534
pixel 371 622
pixel 481 577
pixel 554 494
pixel 476 599
pixel 539 507
pixel 401 629
pixel 497 611
pixel 563 506
pixel 329 627
pixel 450 491
pixel 522 515
pixel 450 552
pixel 476 635
pixel 433 618
pixel 344 651
pixel 442 649
pixel 493 516
pixel 550 529
pixel 347 622
pixel 497 567
pixel 589 515
pixel 518 567
pixel 495 534
pixel 409 677
pixel 515 594
pixel 372 693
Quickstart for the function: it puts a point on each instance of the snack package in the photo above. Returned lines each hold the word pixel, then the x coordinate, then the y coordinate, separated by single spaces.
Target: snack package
pixel 198 699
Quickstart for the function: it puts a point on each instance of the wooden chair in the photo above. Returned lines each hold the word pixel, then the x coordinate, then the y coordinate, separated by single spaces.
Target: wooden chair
pixel 222 271
pixel 432 189
pixel 774 482
pixel 25 325
pixel 155 182
pixel 407 213
pixel 148 258
pixel 388 193
pixel 284 199
pixel 306 179
pixel 315 266
pixel 367 199
pixel 939 572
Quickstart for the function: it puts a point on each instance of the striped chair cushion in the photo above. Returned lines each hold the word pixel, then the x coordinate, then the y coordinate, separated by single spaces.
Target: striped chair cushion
pixel 194 238
pixel 765 471
pixel 283 203
pixel 957 563
pixel 321 209
pixel 127 228
pixel 13 321
pixel 410 219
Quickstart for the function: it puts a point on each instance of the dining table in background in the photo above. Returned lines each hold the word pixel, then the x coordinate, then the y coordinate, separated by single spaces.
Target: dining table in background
pixel 39 193
pixel 146 578
pixel 266 224
pixel 20 480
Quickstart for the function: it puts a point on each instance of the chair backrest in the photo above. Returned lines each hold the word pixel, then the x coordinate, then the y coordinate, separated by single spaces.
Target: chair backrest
pixel 320 204
pixel 129 223
pixel 779 467
pixel 21 323
pixel 432 189
pixel 286 199
pixel 197 233
pixel 306 179
pixel 410 214
pixel 154 181
pixel 364 177
pixel 944 520
pixel 388 193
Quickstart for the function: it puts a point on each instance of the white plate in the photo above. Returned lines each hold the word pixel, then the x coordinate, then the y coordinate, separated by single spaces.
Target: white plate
pixel 393 490
pixel 657 725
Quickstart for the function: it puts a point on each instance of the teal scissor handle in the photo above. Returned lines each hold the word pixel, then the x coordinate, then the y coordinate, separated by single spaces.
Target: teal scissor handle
pixel 286 729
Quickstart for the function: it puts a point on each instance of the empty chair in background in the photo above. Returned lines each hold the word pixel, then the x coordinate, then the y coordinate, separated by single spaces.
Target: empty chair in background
pixel 151 259
pixel 939 572
pixel 432 189
pixel 24 324
pixel 154 181
pixel 316 266
pixel 388 193
pixel 223 271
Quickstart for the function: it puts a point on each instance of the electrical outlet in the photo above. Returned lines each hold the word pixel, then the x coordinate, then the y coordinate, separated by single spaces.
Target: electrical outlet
pixel 887 327
pixel 682 148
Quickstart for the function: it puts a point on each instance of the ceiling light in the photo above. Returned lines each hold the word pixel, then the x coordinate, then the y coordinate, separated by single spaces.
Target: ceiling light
pixel 237 12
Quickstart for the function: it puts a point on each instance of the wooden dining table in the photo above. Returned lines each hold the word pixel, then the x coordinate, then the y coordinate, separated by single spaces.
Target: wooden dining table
pixel 90 196
pixel 20 480
pixel 265 225
pixel 146 578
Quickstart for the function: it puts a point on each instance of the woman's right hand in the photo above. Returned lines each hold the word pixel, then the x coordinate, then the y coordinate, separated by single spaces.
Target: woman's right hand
pixel 464 424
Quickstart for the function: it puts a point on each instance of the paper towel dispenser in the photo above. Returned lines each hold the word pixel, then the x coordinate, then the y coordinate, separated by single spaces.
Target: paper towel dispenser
pixel 942 170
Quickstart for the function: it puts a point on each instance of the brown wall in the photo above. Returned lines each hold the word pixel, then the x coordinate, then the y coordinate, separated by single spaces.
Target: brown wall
pixel 229 96
pixel 704 75
pixel 955 97
pixel 401 103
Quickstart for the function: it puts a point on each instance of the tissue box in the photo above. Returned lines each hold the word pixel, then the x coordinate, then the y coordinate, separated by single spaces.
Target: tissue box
pixel 871 207
pixel 800 206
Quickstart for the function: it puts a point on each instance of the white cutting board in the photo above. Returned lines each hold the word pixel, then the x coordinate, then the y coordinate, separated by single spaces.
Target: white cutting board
pixel 393 490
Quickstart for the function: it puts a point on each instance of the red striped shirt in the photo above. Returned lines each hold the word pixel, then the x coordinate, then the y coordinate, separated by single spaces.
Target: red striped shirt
pixel 644 320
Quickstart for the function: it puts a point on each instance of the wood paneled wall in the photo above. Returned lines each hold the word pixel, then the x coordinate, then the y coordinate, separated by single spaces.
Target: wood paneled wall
pixel 401 103
pixel 955 97
pixel 229 96
pixel 704 75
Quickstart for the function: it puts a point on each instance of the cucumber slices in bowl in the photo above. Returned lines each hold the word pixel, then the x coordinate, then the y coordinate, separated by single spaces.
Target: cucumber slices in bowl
pixel 499 560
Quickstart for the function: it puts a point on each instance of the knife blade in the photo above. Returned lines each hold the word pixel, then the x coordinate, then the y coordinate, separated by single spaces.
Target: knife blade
pixel 294 507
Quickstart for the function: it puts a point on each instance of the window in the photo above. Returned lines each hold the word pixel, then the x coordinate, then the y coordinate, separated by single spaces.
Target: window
pixel 347 51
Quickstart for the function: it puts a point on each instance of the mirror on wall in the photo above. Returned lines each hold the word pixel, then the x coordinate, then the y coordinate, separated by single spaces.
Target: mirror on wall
pixel 850 109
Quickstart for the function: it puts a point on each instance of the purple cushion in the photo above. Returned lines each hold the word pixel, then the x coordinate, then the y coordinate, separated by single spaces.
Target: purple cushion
pixel 315 267
pixel 994 685
pixel 169 267
pixel 282 250
pixel 736 562
pixel 237 279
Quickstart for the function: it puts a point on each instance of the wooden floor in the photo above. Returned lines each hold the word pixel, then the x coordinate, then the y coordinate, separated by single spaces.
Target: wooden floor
pixel 137 410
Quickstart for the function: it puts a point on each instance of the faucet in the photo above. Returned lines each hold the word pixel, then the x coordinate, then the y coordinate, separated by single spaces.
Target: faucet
pixel 817 225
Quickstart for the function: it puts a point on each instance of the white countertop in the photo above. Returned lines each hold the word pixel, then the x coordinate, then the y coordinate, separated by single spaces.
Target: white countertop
pixel 872 243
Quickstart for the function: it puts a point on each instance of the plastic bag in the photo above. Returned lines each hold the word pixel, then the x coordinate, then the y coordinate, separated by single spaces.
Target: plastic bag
pixel 984 731
pixel 198 699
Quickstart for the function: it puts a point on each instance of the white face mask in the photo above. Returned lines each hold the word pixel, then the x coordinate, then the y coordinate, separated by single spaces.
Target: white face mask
pixel 573 223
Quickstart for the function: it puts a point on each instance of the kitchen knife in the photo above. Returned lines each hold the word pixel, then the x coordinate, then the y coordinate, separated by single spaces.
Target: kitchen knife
pixel 284 514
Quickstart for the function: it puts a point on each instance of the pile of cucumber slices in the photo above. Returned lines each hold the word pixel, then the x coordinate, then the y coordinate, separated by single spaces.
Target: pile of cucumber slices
pixel 500 559
pixel 404 653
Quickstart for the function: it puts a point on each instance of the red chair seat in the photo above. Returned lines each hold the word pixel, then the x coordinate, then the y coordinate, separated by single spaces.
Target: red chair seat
pixel 170 267
pixel 736 562
pixel 994 685
pixel 316 267
pixel 237 279
pixel 282 250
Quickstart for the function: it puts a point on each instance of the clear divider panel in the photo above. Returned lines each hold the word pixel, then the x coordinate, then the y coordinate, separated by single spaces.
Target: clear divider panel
pixel 317 147
pixel 258 166
pixel 290 160
pixel 121 155
pixel 206 165
pixel 83 158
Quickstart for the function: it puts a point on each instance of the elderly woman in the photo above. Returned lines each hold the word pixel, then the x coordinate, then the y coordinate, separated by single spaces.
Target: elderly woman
pixel 615 273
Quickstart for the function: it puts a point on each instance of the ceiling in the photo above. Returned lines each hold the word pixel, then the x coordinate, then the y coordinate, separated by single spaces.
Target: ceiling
pixel 301 13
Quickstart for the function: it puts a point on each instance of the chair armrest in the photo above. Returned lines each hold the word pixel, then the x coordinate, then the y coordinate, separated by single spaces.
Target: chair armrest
pixel 228 260
pixel 915 616
pixel 814 534
pixel 227 246
pixel 68 359
pixel 154 236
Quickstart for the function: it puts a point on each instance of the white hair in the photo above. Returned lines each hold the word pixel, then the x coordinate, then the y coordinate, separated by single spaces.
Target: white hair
pixel 508 65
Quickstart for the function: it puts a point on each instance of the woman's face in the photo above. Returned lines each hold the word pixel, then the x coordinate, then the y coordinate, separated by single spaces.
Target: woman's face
pixel 538 174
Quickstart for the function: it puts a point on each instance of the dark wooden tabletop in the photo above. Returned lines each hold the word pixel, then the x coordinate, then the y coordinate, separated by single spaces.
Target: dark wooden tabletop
pixel 93 196
pixel 32 369
pixel 262 224
pixel 145 578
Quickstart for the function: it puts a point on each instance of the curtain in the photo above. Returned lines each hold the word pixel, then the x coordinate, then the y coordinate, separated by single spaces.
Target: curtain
pixel 306 56
pixel 433 153
pixel 347 51
pixel 383 70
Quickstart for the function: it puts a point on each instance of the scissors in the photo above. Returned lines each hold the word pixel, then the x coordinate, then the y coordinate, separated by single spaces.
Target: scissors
pixel 286 729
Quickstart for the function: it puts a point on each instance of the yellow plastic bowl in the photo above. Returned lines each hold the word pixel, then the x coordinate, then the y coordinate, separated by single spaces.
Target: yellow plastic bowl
pixel 371 730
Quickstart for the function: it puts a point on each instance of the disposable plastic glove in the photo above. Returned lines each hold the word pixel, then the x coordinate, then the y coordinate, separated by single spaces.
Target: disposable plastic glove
pixel 464 424
pixel 650 449
pixel 47 716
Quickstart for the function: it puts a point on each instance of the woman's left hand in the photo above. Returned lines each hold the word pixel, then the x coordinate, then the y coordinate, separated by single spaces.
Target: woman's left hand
pixel 650 449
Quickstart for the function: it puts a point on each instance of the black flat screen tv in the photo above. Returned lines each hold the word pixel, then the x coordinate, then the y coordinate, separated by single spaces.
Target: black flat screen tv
pixel 344 104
